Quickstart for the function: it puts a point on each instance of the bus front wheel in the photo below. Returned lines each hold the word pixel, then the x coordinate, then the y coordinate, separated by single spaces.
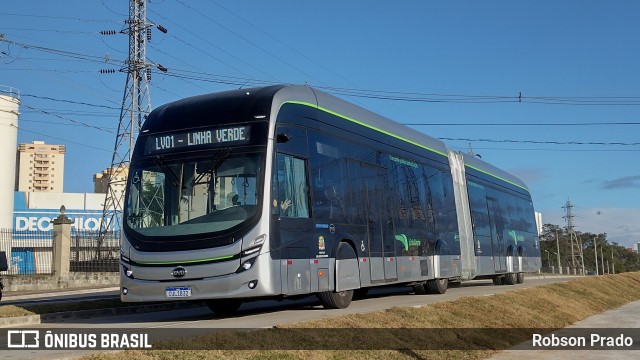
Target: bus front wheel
pixel 336 300
pixel 340 299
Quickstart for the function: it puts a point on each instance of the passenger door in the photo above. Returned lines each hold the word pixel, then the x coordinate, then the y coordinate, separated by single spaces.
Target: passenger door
pixel 497 227
pixel 380 227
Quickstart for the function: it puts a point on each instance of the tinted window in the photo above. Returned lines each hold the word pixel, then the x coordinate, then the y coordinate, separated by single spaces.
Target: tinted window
pixel 290 187
pixel 328 179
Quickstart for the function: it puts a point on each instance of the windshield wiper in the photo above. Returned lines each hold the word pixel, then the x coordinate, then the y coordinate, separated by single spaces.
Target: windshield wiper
pixel 221 155
pixel 175 180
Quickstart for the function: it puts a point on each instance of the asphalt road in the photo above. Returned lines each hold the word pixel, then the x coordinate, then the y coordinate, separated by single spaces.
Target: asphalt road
pixel 262 314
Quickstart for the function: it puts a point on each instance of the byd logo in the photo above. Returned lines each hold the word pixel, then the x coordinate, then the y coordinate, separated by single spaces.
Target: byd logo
pixel 179 272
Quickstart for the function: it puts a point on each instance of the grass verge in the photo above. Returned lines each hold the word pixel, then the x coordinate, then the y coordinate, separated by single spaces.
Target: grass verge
pixel 546 307
pixel 14 310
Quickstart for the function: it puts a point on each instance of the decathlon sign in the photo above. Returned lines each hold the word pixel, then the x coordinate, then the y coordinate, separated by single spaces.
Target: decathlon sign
pixel 36 211
pixel 29 221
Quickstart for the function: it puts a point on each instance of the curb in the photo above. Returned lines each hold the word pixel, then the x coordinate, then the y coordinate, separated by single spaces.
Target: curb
pixel 86 314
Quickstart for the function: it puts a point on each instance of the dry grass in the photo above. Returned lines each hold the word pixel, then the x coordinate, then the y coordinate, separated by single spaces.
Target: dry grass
pixel 546 307
pixel 13 310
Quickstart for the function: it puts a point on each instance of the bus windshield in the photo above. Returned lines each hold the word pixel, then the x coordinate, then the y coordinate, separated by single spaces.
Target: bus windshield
pixel 193 196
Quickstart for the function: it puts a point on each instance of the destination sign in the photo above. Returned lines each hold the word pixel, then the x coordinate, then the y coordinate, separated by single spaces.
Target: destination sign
pixel 198 138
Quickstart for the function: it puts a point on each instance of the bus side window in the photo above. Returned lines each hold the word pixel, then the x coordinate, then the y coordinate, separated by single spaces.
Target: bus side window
pixel 290 187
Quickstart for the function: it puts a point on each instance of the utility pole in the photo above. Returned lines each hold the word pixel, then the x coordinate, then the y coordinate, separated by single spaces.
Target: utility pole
pixel 613 264
pixel 577 258
pixel 136 105
pixel 558 253
pixel 595 250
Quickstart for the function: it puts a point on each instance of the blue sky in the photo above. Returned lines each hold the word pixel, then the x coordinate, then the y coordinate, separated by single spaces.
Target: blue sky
pixel 520 74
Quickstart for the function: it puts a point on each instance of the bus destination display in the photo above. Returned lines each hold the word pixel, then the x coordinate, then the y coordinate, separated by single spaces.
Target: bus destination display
pixel 198 138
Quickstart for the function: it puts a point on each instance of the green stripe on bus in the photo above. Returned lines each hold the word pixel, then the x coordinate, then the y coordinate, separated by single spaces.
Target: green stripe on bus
pixel 366 125
pixel 396 136
pixel 496 176
pixel 184 261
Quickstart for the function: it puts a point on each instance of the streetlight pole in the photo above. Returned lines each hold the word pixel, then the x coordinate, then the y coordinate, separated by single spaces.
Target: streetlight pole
pixel 595 250
pixel 613 264
pixel 548 261
pixel 558 249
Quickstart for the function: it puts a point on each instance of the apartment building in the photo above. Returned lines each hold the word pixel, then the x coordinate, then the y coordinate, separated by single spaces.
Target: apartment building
pixel 101 181
pixel 40 167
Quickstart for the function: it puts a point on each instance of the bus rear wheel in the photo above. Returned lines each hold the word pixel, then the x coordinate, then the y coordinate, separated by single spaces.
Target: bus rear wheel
pixel 437 286
pixel 510 278
pixel 335 300
pixel 520 278
pixel 224 306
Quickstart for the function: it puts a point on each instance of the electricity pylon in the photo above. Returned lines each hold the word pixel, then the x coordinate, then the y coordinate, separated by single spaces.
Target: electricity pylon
pixel 136 105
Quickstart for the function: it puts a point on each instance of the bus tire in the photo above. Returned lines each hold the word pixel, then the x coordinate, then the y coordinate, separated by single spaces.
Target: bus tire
pixel 224 306
pixel 342 299
pixel 510 278
pixel 437 286
pixel 520 278
pixel 498 280
pixel 336 300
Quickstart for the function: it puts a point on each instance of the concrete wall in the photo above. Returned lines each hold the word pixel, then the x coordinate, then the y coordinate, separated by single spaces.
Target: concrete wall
pixel 48 282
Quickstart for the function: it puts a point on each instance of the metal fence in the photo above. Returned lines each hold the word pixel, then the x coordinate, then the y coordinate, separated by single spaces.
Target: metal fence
pixel 32 252
pixel 94 252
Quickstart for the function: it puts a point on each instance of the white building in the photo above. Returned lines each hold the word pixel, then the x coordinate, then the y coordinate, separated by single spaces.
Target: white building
pixel 9 103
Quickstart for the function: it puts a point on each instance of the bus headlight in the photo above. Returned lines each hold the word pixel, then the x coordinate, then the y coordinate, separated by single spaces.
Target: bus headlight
pixel 127 272
pixel 246 265
pixel 251 251
pixel 259 240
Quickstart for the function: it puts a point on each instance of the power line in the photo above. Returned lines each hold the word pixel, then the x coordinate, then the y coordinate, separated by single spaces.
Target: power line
pixel 464 149
pixel 70 101
pixel 523 124
pixel 56 138
pixel 75 32
pixel 203 14
pixel 310 59
pixel 73 112
pixel 56 123
pixel 363 93
pixel 60 18
pixel 543 142
pixel 199 49
pixel 70 54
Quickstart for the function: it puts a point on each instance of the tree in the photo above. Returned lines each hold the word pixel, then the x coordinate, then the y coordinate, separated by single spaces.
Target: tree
pixel 623 259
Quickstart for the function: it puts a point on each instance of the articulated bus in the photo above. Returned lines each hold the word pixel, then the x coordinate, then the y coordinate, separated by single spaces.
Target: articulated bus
pixel 286 191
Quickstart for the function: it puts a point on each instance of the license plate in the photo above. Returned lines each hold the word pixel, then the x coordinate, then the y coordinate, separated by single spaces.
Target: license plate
pixel 178 292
